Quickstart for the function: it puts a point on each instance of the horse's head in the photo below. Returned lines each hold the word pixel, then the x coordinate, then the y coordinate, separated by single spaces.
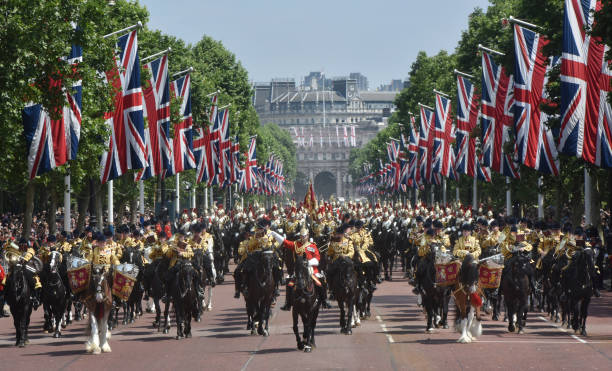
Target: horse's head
pixel 267 261
pixel 303 279
pixel 186 276
pixel 99 282
pixel 468 274
pixel 54 261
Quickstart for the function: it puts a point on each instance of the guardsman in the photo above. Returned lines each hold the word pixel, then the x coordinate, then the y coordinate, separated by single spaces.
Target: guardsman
pixel 202 240
pixel 63 245
pixel 242 253
pixel 466 244
pixel 340 245
pixel 103 252
pixel 24 252
pixel 300 247
pixel 492 239
pixel 362 241
pixel 262 240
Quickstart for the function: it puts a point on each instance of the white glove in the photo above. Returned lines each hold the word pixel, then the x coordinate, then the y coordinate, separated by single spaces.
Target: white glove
pixel 277 237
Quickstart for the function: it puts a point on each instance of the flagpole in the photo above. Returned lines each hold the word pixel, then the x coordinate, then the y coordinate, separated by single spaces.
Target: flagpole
pixel 67 213
pixel 110 204
pixel 141 197
pixel 588 220
pixel 508 197
pixel 457 193
pixel 212 203
pixel 444 191
pixel 432 194
pixel 127 29
pixel 177 196
pixel 163 52
pixel 475 193
pixel 206 198
pixel 540 199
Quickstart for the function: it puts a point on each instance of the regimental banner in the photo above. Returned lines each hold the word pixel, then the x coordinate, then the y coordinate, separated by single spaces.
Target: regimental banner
pixel 489 276
pixel 122 285
pixel 78 278
pixel 447 274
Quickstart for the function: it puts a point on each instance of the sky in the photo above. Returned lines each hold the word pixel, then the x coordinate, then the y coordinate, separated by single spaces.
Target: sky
pixel 290 38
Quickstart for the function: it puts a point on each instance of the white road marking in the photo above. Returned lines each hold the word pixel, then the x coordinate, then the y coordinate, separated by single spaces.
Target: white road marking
pixel 563 330
pixel 384 329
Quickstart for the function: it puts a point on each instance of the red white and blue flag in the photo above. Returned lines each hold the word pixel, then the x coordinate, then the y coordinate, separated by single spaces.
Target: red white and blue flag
pixel 393 152
pixel 413 154
pixel 467 117
pixel 497 105
pixel 248 179
pixel 586 122
pixel 126 147
pixel 52 143
pixel 443 158
pixel 535 145
pixel 235 160
pixel 225 149
pixel 426 143
pixel 157 111
pixel 201 152
pixel 182 143
pixel 215 144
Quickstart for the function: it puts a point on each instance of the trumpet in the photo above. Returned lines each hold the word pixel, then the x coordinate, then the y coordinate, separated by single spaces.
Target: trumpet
pixel 12 257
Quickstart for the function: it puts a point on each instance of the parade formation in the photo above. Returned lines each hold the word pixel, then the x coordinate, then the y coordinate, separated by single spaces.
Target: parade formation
pixel 162 212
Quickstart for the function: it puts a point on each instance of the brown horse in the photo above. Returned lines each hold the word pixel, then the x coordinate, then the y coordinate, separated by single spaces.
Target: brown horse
pixel 468 298
pixel 98 300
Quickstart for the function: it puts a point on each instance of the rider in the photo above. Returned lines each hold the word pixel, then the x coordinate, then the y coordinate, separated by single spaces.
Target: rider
pixel 304 246
pixel 466 244
pixel 26 252
pixel 340 245
pixel 103 252
pixel 362 241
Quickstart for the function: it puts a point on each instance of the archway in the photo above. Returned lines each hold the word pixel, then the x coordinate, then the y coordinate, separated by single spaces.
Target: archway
pixel 300 186
pixel 325 184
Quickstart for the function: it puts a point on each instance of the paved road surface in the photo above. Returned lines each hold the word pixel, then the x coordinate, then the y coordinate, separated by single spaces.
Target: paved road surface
pixel 393 339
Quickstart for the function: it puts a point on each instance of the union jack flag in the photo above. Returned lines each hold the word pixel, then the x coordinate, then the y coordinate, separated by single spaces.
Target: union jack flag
pixel 52 143
pixel 413 154
pixel 484 173
pixel 248 179
pixel 127 149
pixel 467 117
pixel 215 139
pixel 393 151
pixel 235 160
pixel 534 141
pixel 157 111
pixel 443 133
pixel 426 143
pixel 225 149
pixel 586 124
pixel 201 152
pixel 182 144
pixel 497 105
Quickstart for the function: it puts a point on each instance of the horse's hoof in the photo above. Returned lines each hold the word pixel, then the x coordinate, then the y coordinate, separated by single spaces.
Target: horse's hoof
pixel 583 332
pixel 349 332
pixel 96 350
pixel 266 333
pixel 165 331
pixel 21 344
pixel 307 349
pixel 521 331
pixel 209 308
pixel 106 348
pixel 495 317
pixel 429 330
pixel 445 326
pixel 300 346
pixel 511 328
pixel 57 335
pixel 27 342
pixel 178 337
pixel 253 332
pixel 188 336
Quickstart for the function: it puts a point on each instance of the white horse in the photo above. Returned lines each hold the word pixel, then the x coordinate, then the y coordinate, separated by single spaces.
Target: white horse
pixel 98 300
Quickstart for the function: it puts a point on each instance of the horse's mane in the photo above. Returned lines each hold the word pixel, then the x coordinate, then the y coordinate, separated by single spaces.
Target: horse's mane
pixel 469 271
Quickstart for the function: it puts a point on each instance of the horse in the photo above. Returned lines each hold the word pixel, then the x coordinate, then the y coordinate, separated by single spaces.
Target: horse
pixel 550 292
pixel 203 264
pixel 17 294
pixel 468 301
pixel 516 289
pixel 435 297
pixel 54 294
pixel 219 253
pixel 132 308
pixel 388 251
pixel 260 289
pixel 154 286
pixel 305 304
pixel 98 300
pixel 184 296
pixel 578 279
pixel 343 284
pixel 491 297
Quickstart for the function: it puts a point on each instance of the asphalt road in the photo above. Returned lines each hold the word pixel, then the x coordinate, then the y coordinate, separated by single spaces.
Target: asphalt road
pixel 394 338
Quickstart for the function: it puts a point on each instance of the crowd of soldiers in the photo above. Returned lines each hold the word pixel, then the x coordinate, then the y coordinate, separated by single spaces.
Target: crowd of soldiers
pixel 373 235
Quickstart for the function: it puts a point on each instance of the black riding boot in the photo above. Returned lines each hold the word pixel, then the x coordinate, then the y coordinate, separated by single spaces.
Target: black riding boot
pixel 323 294
pixel 237 283
pixel 288 298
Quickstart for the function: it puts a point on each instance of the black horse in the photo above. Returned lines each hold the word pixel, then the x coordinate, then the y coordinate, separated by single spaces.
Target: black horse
pixel 18 298
pixel 54 294
pixel 343 284
pixel 132 308
pixel 260 289
pixel 154 286
pixel 578 279
pixel 305 304
pixel 435 297
pixel 516 289
pixel 184 295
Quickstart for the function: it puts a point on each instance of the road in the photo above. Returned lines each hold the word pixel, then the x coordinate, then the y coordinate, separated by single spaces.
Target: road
pixel 393 339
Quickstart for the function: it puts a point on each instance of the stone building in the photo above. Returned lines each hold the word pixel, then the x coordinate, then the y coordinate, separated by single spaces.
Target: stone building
pixel 317 120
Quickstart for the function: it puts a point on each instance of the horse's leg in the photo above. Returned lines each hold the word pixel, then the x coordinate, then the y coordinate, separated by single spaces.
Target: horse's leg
pixel 445 301
pixel 167 315
pixel 342 319
pixel 313 325
pixel 296 329
pixel 179 315
pixel 28 314
pixel 575 305
pixel 157 306
pixel 251 315
pixel 584 312
pixel 522 315
pixel 350 304
pixel 266 316
pixel 93 345
pixel 511 314
pixel 210 296
pixel 16 324
pixel 307 330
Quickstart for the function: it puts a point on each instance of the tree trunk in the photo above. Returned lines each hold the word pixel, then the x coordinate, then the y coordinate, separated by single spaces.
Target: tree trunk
pixel 83 206
pixel 51 216
pixel 29 207
pixel 595 201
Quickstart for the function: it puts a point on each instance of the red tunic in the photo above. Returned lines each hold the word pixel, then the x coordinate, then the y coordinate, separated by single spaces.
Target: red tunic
pixel 2 276
pixel 311 252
